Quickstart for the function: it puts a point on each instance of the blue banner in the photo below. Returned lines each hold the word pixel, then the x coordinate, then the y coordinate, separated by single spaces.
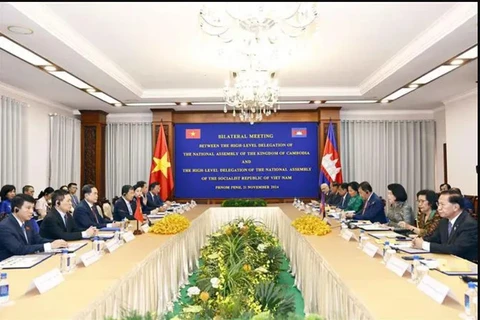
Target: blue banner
pixel 239 160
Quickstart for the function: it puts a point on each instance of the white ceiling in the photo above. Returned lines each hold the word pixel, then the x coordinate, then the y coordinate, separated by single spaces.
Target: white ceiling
pixel 140 52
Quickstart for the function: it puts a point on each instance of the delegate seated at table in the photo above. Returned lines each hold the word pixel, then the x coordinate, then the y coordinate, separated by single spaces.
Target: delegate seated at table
pixel 17 237
pixel 457 232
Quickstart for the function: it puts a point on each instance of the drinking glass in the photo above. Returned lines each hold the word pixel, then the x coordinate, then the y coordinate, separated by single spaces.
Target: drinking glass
pixel 422 271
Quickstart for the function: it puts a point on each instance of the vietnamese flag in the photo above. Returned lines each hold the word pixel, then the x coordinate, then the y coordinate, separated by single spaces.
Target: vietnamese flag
pixel 138 211
pixel 192 134
pixel 161 169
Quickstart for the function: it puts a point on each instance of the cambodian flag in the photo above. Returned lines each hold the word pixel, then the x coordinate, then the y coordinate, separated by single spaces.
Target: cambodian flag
pixel 299 132
pixel 331 169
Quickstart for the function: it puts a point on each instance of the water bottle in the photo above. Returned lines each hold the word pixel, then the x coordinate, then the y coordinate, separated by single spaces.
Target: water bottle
pixel 64 262
pixel 414 271
pixel 386 246
pixel 73 261
pixel 96 245
pixel 362 235
pixel 470 301
pixel 4 289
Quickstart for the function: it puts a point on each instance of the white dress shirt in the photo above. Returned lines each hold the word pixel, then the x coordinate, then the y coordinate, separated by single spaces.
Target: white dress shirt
pixel 84 233
pixel 46 246
pixel 426 244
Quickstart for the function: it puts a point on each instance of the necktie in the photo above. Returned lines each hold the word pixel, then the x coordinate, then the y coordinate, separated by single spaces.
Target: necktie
pixel 365 207
pixel 65 220
pixel 343 200
pixel 24 232
pixel 129 206
pixel 94 211
pixel 449 228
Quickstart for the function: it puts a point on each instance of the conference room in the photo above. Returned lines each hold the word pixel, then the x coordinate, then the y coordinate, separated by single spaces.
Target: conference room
pixel 255 160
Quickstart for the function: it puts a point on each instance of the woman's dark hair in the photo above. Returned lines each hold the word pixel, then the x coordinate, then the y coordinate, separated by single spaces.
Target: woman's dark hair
pixel 431 197
pixel 398 192
pixel 47 191
pixel 446 184
pixel 6 189
pixel 354 185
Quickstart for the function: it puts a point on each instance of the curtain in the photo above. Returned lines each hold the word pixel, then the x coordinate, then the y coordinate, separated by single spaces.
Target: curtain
pixel 129 155
pixel 64 145
pixel 11 143
pixel 384 152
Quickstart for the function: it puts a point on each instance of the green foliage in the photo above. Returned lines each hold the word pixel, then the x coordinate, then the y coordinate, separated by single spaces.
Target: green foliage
pixel 272 298
pixel 135 315
pixel 244 203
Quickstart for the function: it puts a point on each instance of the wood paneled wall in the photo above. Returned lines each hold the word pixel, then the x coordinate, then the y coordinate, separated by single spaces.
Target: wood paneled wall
pixel 92 146
pixel 169 117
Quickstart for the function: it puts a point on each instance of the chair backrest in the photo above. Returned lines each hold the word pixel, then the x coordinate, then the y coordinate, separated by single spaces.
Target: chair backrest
pixel 107 211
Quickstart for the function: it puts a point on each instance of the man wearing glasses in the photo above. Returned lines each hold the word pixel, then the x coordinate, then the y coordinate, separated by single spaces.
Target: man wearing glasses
pixel 457 232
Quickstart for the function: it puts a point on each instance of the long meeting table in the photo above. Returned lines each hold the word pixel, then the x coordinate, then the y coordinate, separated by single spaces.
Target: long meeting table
pixel 337 280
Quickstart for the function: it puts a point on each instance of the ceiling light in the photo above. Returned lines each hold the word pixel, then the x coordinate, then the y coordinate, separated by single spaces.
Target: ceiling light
pixel 470 54
pixel 117 104
pixel 413 86
pixel 385 101
pixel 184 104
pixel 20 30
pixel 22 53
pixel 434 74
pixel 317 101
pixel 397 94
pixel 147 104
pixel 50 68
pixel 104 97
pixel 350 101
pixel 67 77
pixel 457 62
pixel 208 103
pixel 90 90
pixel 293 102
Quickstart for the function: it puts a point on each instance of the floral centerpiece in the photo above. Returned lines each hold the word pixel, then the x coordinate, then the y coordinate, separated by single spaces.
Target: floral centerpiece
pixel 244 203
pixel 311 225
pixel 171 224
pixel 237 279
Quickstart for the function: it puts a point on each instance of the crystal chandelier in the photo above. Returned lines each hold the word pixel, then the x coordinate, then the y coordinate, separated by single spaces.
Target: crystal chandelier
pixel 267 31
pixel 253 95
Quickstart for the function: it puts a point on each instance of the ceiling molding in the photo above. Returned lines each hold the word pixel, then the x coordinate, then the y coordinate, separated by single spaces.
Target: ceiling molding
pixel 48 20
pixel 443 26
pixel 129 117
pixel 8 89
pixel 284 92
pixel 462 96
pixel 387 115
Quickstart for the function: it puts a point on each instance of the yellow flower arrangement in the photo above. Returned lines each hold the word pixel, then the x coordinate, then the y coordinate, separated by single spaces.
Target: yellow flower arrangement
pixel 171 224
pixel 311 225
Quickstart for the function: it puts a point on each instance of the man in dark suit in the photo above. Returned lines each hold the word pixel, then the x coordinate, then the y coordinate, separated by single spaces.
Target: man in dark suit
pixel 86 214
pixel 334 196
pixel 344 195
pixel 153 199
pixel 72 189
pixel 373 208
pixel 456 233
pixel 17 237
pixel 125 207
pixel 60 224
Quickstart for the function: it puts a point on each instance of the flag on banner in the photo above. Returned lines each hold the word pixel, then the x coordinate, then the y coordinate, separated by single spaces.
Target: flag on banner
pixel 299 132
pixel 193 133
pixel 161 169
pixel 138 211
pixel 331 169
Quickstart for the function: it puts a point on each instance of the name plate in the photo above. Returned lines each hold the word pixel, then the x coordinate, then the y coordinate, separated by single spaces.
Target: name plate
pixel 89 257
pixel 370 249
pixel 111 245
pixel 47 281
pixel 435 289
pixel 128 236
pixel 347 234
pixel 145 228
pixel 398 266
